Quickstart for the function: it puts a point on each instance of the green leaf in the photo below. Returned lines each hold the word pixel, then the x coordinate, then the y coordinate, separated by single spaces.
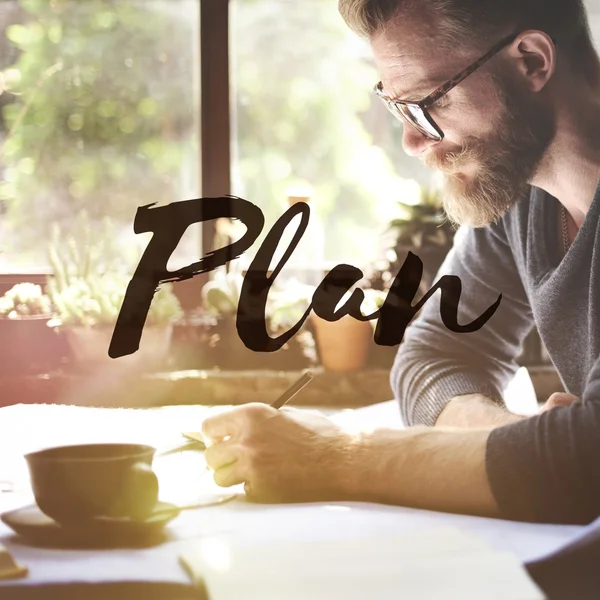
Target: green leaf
pixel 19 35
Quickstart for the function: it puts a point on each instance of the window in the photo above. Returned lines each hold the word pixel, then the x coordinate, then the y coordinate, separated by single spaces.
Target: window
pixel 99 114
pixel 304 115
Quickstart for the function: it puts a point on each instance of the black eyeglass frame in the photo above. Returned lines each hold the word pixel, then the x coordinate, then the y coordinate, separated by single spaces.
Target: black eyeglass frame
pixel 396 106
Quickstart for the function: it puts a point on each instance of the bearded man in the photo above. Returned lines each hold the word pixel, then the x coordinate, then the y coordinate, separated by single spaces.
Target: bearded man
pixel 504 99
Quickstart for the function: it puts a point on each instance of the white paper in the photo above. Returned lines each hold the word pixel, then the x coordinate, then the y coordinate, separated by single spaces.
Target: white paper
pixel 432 564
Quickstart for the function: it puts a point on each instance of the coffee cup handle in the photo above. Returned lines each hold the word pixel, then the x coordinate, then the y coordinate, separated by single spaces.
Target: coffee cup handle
pixel 143 490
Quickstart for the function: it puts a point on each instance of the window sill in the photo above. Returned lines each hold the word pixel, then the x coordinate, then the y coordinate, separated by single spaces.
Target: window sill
pixel 214 387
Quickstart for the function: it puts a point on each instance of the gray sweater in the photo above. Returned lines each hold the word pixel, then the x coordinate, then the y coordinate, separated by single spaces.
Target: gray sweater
pixel 546 468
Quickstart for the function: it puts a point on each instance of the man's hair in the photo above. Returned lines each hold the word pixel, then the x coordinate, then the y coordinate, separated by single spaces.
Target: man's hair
pixel 480 21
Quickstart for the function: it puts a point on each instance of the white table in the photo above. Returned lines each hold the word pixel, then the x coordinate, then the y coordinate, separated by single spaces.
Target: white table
pixel 26 427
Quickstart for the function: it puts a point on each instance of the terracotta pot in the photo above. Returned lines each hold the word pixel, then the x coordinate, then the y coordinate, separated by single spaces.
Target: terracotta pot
pixel 343 345
pixel 89 346
pixel 29 345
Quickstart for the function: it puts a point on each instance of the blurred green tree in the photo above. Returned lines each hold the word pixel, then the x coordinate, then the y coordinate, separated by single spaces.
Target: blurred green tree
pixel 104 113
pixel 305 111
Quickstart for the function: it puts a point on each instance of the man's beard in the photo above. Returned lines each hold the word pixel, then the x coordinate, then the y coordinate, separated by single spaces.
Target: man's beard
pixel 505 162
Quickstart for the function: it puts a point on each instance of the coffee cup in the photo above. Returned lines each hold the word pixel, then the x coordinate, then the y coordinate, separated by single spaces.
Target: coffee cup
pixel 72 484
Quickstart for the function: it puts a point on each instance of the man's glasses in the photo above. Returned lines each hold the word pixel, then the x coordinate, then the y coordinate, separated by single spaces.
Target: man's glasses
pixel 415 111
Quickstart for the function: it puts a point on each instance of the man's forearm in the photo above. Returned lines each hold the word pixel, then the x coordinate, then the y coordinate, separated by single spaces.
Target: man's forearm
pixel 434 469
pixel 475 411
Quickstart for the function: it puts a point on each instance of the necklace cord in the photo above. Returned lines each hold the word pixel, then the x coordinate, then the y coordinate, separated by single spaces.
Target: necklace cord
pixel 565 229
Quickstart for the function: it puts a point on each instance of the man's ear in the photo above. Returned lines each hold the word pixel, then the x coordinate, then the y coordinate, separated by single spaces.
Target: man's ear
pixel 534 54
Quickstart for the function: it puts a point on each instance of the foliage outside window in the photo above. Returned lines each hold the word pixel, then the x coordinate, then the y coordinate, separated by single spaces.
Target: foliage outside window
pixel 99 110
pixel 305 114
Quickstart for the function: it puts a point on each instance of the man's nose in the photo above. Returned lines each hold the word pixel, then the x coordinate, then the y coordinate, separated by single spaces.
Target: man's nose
pixel 414 142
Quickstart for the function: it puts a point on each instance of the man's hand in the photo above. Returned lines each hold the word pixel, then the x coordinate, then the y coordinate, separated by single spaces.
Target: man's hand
pixel 558 399
pixel 288 455
pixel 280 455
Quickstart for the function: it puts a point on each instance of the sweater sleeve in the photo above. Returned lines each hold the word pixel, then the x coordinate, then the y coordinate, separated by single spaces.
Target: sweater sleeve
pixel 545 468
pixel 434 364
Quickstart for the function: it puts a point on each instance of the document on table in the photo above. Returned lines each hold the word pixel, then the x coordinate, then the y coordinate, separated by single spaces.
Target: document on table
pixel 439 563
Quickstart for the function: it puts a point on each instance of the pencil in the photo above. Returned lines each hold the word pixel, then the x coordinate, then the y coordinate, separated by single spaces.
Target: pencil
pixel 194 444
pixel 292 391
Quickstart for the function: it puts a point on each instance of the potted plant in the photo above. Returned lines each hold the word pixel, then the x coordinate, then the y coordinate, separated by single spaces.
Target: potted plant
pixel 87 310
pixel 420 228
pixel 87 294
pixel 286 305
pixel 28 345
pixel 343 345
pixel 220 301
pixel 220 297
